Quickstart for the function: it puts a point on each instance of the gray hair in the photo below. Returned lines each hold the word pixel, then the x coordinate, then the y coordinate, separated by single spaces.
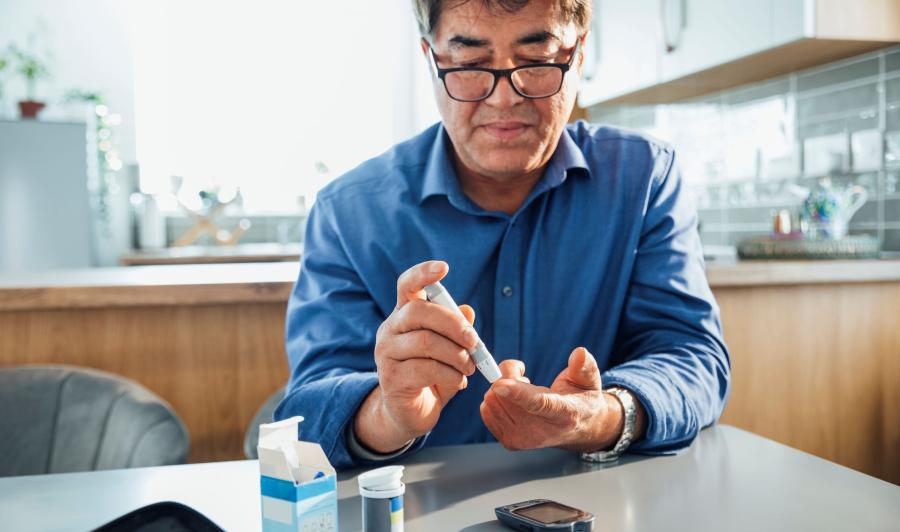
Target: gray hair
pixel 428 12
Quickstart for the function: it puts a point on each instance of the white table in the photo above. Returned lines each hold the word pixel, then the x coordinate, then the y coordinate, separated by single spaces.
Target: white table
pixel 728 480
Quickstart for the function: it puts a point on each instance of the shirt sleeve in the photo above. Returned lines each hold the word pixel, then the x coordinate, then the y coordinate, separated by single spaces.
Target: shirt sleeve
pixel 669 341
pixel 330 339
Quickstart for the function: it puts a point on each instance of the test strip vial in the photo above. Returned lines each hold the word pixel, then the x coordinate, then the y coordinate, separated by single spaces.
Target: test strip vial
pixel 381 491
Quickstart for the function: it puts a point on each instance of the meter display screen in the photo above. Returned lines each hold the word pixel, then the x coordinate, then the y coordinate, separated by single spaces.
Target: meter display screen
pixel 550 512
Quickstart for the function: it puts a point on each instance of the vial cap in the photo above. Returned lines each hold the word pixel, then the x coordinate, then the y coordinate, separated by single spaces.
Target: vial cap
pixel 383 478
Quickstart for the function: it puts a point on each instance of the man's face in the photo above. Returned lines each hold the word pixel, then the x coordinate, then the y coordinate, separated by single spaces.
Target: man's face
pixel 506 135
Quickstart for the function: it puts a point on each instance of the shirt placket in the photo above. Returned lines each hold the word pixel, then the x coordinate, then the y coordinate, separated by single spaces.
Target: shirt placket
pixel 508 294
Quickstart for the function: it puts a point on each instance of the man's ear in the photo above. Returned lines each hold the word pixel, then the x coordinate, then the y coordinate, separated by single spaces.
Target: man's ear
pixel 581 53
pixel 423 42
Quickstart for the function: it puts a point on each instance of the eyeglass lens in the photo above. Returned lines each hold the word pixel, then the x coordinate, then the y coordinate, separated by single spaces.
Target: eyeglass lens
pixel 534 82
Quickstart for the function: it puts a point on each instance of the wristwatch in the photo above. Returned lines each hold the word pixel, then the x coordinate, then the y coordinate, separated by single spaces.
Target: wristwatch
pixel 627 399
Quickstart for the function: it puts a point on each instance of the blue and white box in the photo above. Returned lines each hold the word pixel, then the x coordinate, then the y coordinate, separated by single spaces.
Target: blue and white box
pixel 297 483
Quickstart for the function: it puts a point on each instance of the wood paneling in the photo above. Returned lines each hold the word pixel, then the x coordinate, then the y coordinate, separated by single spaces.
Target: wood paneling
pixel 215 364
pixel 817 367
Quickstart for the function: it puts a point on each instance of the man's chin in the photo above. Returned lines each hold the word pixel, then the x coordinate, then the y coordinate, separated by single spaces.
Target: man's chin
pixel 494 163
pixel 505 170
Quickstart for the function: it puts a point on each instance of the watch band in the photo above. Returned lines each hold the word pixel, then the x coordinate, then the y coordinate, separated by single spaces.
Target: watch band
pixel 627 399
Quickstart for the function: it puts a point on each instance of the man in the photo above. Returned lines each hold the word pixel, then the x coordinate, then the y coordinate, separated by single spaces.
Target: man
pixel 575 245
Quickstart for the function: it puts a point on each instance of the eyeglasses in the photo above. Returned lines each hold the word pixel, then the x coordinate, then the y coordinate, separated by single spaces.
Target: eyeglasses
pixel 473 84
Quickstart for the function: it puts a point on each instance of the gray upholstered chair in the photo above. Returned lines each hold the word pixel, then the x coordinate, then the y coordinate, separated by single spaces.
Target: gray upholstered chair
pixel 58 419
pixel 263 415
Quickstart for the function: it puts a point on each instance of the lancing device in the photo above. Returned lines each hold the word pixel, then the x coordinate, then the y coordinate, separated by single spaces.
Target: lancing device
pixel 485 363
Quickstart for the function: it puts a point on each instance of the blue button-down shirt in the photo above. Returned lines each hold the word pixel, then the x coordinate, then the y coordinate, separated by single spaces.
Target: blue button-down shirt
pixel 604 253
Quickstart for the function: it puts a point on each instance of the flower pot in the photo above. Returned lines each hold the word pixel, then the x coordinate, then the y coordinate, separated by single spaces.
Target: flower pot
pixel 29 109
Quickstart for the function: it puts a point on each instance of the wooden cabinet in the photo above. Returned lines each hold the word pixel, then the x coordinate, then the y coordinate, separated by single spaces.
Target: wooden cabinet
pixel 815 356
pixel 817 367
pixel 659 51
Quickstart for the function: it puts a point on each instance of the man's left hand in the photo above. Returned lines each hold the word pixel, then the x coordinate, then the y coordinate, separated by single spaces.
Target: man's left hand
pixel 574 413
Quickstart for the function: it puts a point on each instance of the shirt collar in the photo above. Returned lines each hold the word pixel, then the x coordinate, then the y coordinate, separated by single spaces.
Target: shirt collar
pixel 440 177
pixel 439 171
pixel 568 158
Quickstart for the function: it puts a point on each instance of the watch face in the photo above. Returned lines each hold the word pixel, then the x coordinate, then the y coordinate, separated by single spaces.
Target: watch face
pixel 549 512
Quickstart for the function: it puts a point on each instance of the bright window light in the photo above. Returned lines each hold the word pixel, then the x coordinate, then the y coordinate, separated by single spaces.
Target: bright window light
pixel 255 94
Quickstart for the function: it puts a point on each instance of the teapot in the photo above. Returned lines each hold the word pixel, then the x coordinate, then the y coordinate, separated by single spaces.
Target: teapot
pixel 828 210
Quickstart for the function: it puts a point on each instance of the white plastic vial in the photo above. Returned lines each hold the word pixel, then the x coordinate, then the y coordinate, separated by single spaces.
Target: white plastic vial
pixel 382 492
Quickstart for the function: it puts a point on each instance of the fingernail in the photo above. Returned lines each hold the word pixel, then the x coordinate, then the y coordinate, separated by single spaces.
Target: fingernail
pixel 436 267
pixel 502 391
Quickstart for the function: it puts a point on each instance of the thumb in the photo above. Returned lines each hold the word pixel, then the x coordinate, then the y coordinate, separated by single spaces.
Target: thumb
pixel 583 370
pixel 469 313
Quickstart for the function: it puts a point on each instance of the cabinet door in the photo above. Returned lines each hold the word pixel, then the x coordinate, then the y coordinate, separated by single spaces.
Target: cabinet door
pixel 699 34
pixel 623 49
pixel 790 21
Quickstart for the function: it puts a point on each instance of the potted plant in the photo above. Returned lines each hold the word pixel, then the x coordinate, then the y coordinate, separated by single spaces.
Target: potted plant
pixel 32 68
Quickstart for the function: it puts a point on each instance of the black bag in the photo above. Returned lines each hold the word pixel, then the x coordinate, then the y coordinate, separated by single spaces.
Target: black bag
pixel 162 517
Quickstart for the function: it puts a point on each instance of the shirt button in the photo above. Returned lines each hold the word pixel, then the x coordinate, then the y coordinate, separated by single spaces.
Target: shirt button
pixel 507 291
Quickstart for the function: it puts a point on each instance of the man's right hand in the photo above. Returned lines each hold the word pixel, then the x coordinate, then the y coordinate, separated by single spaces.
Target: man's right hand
pixel 422 360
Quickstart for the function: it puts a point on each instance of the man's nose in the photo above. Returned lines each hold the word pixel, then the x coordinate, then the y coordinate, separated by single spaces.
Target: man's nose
pixel 504 94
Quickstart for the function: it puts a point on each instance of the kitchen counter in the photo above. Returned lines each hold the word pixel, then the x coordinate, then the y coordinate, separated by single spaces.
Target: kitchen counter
pixel 733 272
pixel 137 286
pixel 272 282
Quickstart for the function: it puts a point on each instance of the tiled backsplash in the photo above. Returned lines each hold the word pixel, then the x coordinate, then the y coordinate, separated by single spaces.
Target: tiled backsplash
pixel 746 152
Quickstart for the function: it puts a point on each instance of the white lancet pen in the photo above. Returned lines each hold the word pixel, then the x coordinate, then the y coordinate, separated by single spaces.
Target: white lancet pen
pixel 484 361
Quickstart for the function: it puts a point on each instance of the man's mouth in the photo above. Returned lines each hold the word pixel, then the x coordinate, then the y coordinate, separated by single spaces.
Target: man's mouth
pixel 506 130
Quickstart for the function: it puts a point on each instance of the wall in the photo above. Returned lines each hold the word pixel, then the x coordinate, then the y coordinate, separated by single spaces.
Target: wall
pixel 90 47
pixel 748 151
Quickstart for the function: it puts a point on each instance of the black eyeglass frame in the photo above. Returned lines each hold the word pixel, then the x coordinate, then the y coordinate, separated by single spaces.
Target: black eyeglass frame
pixel 506 72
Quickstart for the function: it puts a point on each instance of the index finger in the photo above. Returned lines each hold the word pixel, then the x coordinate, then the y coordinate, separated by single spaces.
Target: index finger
pixel 512 369
pixel 413 281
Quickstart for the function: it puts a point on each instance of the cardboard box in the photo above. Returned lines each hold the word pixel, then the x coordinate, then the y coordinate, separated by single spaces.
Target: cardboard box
pixel 297 483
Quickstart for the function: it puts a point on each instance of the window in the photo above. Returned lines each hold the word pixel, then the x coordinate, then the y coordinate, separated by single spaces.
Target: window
pixel 255 94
